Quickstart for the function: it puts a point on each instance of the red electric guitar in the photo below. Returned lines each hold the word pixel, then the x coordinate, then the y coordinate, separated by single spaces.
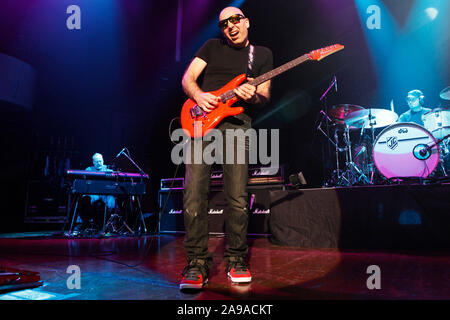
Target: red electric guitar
pixel 196 122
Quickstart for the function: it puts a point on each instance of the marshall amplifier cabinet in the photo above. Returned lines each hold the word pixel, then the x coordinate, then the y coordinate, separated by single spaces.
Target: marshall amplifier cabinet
pixel 171 210
pixel 256 176
pixel 172 183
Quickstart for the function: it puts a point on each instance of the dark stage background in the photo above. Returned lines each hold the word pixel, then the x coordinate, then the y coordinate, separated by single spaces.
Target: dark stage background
pixel 117 81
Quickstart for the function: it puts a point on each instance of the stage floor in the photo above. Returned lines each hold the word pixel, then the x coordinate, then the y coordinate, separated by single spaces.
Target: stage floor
pixel 149 268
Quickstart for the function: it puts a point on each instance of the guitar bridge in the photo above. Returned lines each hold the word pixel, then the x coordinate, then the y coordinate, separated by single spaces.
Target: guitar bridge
pixel 197 112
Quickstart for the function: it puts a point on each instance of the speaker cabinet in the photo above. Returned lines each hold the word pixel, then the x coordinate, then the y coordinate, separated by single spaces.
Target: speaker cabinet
pixel 171 210
pixel 46 202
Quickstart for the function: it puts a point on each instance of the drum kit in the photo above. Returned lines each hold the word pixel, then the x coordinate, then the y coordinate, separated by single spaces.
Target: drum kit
pixel 371 147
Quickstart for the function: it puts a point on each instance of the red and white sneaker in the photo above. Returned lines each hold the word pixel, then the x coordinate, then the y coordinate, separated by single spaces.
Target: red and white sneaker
pixel 195 276
pixel 239 272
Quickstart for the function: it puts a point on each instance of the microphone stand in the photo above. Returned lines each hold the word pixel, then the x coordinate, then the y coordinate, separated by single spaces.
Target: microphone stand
pixel 325 106
pixel 437 142
pixel 134 163
pixel 137 197
pixel 329 88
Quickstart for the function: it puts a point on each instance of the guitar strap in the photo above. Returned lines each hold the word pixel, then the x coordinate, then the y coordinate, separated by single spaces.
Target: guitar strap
pixel 249 73
pixel 251 58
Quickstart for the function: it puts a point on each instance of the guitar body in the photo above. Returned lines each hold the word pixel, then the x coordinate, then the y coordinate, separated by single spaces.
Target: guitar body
pixel 196 122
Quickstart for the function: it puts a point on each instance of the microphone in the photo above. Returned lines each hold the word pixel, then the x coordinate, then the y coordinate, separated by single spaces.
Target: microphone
pixel 121 151
pixel 422 151
pixel 361 151
pixel 425 151
pixel 335 84
pixel 362 130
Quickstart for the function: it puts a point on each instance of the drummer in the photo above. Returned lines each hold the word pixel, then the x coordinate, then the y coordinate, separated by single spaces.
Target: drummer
pixel 416 109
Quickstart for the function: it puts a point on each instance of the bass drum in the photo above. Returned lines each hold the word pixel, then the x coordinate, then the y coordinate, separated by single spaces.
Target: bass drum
pixel 401 150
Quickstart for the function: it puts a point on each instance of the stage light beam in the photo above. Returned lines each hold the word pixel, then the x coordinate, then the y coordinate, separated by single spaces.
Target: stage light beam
pixel 432 13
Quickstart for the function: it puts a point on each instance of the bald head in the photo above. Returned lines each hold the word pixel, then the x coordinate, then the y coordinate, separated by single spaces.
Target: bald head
pixel 229 11
pixel 234 26
pixel 97 160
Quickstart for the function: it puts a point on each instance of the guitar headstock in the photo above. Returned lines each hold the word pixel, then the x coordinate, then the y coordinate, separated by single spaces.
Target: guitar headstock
pixel 319 54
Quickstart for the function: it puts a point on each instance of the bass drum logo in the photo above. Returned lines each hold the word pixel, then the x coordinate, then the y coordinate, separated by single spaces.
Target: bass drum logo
pixel 392 142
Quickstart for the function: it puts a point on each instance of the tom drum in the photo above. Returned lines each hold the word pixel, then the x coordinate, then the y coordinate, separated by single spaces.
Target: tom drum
pixel 437 121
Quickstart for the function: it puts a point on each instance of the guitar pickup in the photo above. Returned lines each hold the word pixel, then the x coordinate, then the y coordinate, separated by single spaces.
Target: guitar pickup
pixel 197 112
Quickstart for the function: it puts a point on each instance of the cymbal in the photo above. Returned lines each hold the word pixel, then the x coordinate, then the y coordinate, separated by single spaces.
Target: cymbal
pixel 445 94
pixel 344 111
pixel 373 118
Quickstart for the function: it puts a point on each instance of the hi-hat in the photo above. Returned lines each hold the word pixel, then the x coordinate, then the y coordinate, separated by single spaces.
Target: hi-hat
pixel 445 94
pixel 342 112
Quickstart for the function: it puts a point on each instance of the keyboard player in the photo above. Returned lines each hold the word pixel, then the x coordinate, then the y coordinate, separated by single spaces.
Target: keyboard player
pixel 97 200
pixel 98 165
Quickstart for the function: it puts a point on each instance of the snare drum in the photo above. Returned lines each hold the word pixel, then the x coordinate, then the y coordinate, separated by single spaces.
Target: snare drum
pixel 396 151
pixel 437 121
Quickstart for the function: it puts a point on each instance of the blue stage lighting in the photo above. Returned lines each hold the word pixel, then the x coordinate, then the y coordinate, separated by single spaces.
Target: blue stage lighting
pixel 409 218
pixel 432 13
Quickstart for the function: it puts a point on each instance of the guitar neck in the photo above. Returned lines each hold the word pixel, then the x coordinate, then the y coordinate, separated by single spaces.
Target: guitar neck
pixel 275 72
pixel 269 75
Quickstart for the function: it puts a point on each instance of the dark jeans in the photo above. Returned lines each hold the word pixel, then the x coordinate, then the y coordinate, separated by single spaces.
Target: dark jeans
pixel 196 191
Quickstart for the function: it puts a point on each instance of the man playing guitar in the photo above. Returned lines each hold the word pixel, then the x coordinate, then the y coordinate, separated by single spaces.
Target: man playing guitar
pixel 218 61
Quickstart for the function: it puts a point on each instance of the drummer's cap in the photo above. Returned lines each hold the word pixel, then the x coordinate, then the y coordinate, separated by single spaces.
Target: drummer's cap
pixel 415 94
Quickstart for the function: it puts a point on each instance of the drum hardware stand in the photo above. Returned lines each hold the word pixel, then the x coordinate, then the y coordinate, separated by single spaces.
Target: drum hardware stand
pixel 351 167
pixel 428 148
pixel 350 164
pixel 372 135
pixel 343 178
pixel 369 122
pixel 441 163
pixel 335 144
pixel 340 177
pixel 446 148
pixel 442 159
pixel 323 99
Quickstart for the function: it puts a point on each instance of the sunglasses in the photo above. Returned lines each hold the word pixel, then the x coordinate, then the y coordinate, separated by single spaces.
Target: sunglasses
pixel 235 18
pixel 411 98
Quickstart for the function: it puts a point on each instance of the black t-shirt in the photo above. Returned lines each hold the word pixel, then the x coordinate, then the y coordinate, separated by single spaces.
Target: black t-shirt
pixel 416 117
pixel 224 63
